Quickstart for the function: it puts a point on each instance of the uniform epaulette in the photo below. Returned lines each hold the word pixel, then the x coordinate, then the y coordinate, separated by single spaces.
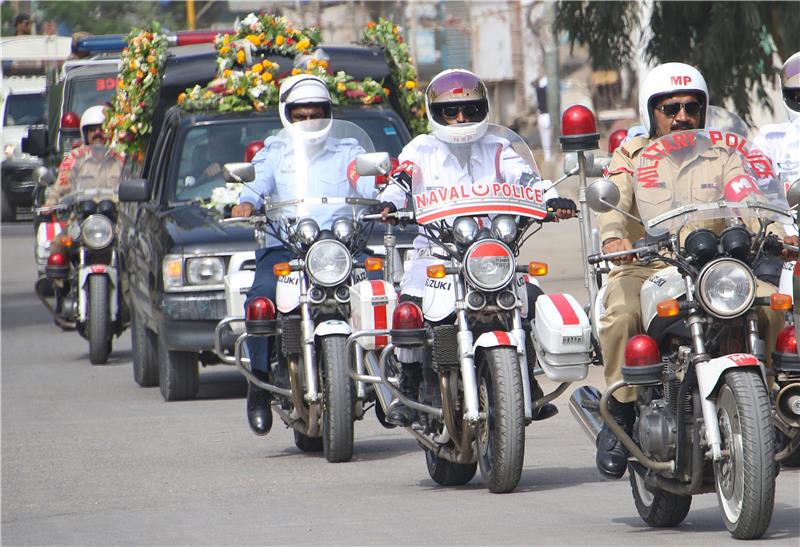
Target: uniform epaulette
pixel 630 148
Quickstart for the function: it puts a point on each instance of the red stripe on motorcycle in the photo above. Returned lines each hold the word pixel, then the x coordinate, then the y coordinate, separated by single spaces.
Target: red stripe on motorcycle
pixel 97 268
pixel 50 230
pixel 568 315
pixel 743 359
pixel 502 338
pixel 379 314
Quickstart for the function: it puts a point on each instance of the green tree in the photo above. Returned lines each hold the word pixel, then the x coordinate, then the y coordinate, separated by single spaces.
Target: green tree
pixel 105 17
pixel 731 43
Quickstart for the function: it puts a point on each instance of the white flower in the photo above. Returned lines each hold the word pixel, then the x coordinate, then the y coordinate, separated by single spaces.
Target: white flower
pixel 249 20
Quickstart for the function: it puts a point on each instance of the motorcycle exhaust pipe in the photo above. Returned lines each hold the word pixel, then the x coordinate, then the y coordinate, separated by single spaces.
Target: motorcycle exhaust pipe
pixel 584 403
pixel 787 404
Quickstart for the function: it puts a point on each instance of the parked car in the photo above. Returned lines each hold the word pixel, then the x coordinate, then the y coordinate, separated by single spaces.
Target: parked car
pixel 23 105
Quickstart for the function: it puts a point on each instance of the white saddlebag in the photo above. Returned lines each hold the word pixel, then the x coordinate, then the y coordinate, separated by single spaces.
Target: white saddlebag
pixel 237 283
pixel 45 234
pixel 372 304
pixel 562 337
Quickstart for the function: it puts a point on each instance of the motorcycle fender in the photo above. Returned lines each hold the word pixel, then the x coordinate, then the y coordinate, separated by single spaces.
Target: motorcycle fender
pixel 83 282
pixel 332 326
pixel 710 372
pixel 287 294
pixel 496 338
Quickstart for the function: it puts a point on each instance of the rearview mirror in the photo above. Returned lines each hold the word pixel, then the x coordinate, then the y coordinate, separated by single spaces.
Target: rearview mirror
pixel 134 190
pixel 602 195
pixel 239 172
pixel 373 164
pixel 793 194
pixel 35 143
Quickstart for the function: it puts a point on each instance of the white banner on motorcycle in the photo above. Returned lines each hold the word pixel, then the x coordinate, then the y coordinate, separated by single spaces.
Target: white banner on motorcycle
pixel 497 198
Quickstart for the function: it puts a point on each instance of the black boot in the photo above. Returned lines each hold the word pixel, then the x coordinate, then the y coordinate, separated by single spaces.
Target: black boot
pixel 259 411
pixel 547 410
pixel 398 413
pixel 612 456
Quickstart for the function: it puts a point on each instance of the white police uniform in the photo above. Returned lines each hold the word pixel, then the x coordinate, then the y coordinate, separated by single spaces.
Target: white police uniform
pixel 781 143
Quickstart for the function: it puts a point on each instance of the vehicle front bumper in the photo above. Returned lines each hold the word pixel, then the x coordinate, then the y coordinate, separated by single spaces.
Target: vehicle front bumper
pixel 18 183
pixel 188 320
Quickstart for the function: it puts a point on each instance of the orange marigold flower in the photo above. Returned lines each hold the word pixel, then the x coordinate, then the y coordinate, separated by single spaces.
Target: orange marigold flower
pixel 266 77
pixel 279 40
pixel 340 87
pixel 139 74
pixel 181 98
pixel 386 91
pixel 150 58
pixel 303 44
pixel 257 68
pixel 226 73
pixel 296 71
pixel 411 84
pixel 322 63
pixel 240 56
pixel 253 39
pixel 371 24
pixel 153 70
pixel 226 39
pixel 224 50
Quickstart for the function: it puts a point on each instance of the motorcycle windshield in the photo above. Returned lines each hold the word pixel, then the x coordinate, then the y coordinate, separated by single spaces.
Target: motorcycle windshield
pixel 494 175
pixel 726 121
pixel 701 175
pixel 313 167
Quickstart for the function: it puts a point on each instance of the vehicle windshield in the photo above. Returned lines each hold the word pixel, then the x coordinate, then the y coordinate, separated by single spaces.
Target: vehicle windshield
pixel 86 92
pixel 24 109
pixel 491 176
pixel 694 176
pixel 311 172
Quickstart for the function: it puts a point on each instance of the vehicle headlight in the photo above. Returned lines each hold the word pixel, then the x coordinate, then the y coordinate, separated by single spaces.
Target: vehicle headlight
pixel 97 232
pixel 464 230
pixel 307 231
pixel 726 288
pixel 343 229
pixel 504 228
pixel 328 263
pixel 489 265
pixel 206 270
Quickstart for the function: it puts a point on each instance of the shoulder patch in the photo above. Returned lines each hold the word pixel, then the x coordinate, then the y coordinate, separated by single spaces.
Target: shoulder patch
pixel 633 146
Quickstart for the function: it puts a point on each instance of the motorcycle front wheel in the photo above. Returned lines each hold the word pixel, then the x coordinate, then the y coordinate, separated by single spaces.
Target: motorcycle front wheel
pixel 745 475
pixel 658 508
pixel 501 434
pixel 99 320
pixel 338 401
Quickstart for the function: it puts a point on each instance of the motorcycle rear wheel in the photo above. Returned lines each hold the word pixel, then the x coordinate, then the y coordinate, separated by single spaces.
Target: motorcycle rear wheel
pixel 501 436
pixel 99 320
pixel 745 477
pixel 657 508
pixel 338 401
pixel 448 473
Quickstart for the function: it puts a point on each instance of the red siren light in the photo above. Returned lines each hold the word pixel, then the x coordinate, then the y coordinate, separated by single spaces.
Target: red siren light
pixel 641 351
pixel 260 309
pixel 615 139
pixel 579 129
pixel 252 149
pixel 70 120
pixel 407 316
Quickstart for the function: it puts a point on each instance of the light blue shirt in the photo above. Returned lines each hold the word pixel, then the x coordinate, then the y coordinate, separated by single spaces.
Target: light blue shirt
pixel 330 172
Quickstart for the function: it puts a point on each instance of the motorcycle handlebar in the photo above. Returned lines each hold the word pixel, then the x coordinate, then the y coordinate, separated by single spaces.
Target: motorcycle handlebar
pixel 598 258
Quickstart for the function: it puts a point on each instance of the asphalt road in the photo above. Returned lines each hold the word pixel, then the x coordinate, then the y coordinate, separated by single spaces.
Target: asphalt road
pixel 89 458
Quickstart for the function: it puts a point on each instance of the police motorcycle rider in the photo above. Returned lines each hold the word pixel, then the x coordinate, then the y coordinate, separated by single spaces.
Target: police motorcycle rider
pixel 457 149
pixel 672 97
pixel 302 97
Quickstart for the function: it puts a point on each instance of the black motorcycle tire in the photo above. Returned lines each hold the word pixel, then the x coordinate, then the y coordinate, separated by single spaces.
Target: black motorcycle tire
pixel 306 443
pixel 743 412
pixel 657 508
pixel 501 437
pixel 99 320
pixel 145 353
pixel 178 374
pixel 338 403
pixel 449 473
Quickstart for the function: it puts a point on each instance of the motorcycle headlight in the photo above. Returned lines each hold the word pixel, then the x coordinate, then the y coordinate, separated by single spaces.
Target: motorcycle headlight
pixel 464 230
pixel 328 263
pixel 206 270
pixel 97 232
pixel 504 228
pixel 489 265
pixel 343 229
pixel 726 288
pixel 307 231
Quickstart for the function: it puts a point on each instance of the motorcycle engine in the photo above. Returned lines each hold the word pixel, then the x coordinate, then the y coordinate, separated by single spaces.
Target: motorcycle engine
pixel 657 429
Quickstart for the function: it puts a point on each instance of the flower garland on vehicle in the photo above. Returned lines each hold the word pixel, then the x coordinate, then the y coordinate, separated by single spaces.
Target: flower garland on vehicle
pixel 128 121
pixel 386 35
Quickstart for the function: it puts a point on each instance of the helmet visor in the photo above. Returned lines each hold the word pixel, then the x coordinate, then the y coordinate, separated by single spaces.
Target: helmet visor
pixel 456 86
pixel 792 98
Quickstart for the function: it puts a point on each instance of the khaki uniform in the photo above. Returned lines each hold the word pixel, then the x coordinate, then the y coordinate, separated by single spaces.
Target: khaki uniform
pixel 86 168
pixel 700 181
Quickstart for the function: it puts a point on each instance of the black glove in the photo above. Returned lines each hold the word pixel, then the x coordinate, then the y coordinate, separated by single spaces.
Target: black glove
pixel 379 207
pixel 554 204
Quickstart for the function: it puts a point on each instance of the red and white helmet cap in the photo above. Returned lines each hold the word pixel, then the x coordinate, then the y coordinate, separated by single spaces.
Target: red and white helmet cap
pixel 668 79
pixel 457 88
pixel 790 86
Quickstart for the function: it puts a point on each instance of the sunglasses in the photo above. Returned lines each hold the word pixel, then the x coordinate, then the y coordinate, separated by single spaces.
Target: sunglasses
pixel 692 108
pixel 468 110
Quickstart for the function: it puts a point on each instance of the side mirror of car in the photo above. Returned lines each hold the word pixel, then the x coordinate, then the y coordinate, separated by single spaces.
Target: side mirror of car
pixel 793 194
pixel 134 190
pixel 373 164
pixel 43 176
pixel 602 195
pixel 239 172
pixel 35 143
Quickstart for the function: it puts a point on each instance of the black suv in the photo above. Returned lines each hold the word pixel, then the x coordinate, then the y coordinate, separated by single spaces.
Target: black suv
pixel 177 251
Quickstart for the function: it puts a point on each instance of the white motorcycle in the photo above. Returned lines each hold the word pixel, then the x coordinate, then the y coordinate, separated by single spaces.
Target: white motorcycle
pixel 479 349
pixel 704 421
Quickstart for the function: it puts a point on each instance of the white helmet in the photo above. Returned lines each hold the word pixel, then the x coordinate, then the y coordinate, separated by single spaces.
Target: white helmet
pixel 668 79
pixel 790 85
pixel 305 89
pixel 457 88
pixel 94 115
